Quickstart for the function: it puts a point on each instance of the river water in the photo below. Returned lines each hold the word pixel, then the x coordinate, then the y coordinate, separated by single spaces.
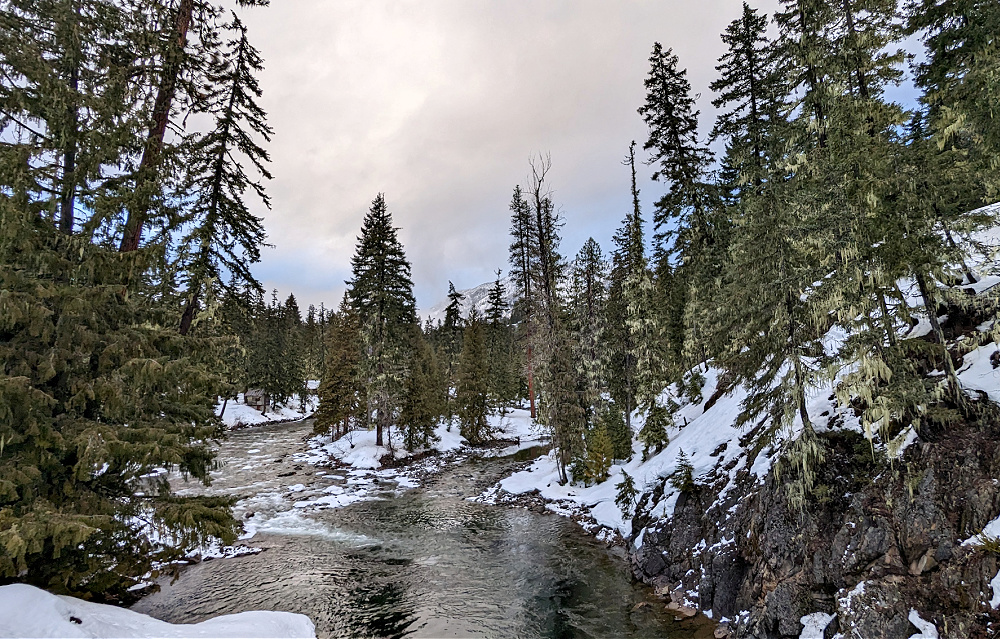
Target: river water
pixel 422 562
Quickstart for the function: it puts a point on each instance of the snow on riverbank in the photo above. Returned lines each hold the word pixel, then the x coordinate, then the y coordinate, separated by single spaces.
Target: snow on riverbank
pixel 26 611
pixel 705 432
pixel 358 449
pixel 237 414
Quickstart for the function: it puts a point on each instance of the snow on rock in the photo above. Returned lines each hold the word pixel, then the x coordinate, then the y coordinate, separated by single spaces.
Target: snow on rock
pixel 815 625
pixel 995 585
pixel 27 611
pixel 978 372
pixel 926 629
pixel 990 531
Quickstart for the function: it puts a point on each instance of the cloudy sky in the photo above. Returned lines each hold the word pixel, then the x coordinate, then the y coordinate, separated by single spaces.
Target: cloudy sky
pixel 440 104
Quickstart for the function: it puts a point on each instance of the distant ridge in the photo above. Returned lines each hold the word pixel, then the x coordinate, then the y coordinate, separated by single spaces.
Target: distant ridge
pixel 477 296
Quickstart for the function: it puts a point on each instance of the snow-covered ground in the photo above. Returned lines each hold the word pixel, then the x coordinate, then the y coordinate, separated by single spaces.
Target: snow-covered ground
pixel 26 611
pixel 358 449
pixel 349 470
pixel 237 414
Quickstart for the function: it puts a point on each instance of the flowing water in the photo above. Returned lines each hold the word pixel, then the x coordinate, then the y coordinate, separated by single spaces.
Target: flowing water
pixel 423 562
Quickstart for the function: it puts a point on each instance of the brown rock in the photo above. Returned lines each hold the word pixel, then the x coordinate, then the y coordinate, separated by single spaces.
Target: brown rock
pixel 681 610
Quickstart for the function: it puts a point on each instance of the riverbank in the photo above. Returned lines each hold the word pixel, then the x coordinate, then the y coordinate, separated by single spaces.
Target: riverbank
pixel 416 561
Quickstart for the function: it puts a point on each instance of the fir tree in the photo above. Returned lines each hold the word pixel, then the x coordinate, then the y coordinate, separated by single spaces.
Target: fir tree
pixel 421 406
pixel 625 495
pixel 381 292
pixel 341 393
pixel 504 363
pixel 618 432
pixel 749 91
pixel 587 305
pixel 96 391
pixel 451 334
pixel 670 114
pixel 653 433
pixel 224 235
pixel 523 266
pixel 599 455
pixel 472 391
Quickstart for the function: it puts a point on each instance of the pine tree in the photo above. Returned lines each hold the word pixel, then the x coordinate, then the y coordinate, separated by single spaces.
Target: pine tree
pixel 587 304
pixel 750 93
pixel 523 265
pixel 341 393
pixel 626 494
pixel 96 391
pixel 421 406
pixel 224 235
pixel 381 292
pixel 472 389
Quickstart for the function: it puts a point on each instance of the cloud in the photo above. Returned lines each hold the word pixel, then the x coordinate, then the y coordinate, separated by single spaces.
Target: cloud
pixel 439 104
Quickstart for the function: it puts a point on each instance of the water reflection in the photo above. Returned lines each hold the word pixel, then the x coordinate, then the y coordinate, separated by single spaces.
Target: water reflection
pixel 427 563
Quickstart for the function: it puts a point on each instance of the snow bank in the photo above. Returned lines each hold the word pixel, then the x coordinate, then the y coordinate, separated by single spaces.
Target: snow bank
pixel 237 413
pixel 358 449
pixel 926 628
pixel 815 625
pixel 26 611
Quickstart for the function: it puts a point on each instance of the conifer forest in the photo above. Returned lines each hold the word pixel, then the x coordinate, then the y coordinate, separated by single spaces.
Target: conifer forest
pixel 767 408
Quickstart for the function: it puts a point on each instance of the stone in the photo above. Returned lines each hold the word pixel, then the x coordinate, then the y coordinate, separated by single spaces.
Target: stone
pixel 681 610
pixel 722 631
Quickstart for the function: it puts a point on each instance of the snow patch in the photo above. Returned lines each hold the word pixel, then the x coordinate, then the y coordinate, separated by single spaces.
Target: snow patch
pixel 815 625
pixel 27 611
pixel 926 629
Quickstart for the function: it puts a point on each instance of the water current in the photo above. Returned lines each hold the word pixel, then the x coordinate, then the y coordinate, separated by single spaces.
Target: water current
pixel 405 562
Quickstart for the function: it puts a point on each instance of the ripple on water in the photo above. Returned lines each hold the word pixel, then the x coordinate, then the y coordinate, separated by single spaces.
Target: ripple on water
pixel 421 563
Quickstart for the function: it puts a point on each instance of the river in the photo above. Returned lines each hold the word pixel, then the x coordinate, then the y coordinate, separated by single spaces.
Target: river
pixel 422 562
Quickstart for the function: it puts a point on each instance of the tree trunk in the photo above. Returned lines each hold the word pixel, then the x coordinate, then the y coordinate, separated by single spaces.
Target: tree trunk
pixel 531 385
pixel 189 310
pixel 154 140
pixel 930 304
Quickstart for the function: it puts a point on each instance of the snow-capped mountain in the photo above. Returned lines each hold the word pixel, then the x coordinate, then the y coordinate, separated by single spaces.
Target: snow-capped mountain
pixel 477 296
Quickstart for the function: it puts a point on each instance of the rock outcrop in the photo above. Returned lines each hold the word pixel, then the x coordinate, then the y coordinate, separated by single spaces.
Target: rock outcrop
pixel 877 544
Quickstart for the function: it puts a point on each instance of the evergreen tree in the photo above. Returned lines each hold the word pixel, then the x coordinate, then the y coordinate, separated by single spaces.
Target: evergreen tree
pixel 96 391
pixel 224 235
pixel 504 363
pixel 341 392
pixel 191 20
pixel 381 292
pixel 523 266
pixel 618 432
pixel 451 334
pixel 626 494
pixel 472 391
pixel 587 305
pixel 750 93
pixel 421 406
pixel 653 433
pixel 670 114
pixel 599 456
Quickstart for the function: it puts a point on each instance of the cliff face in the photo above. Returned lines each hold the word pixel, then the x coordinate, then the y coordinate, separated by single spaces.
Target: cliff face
pixel 878 545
